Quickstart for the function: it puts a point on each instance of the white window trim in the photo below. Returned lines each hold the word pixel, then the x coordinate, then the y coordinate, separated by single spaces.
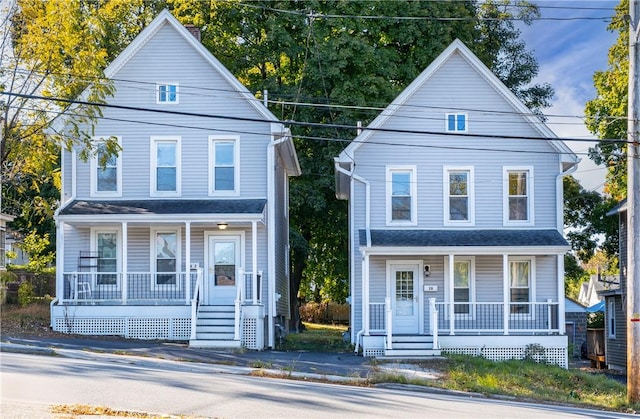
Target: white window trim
pixel 93 245
pixel 466 122
pixel 154 140
pixel 152 259
pixel 94 165
pixel 167 102
pixel 532 285
pixel 472 286
pixel 414 195
pixel 611 319
pixel 470 196
pixel 211 172
pixel 505 195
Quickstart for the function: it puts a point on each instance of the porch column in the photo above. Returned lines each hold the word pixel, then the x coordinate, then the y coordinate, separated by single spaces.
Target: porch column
pixel 59 261
pixel 561 319
pixel 187 261
pixel 125 246
pixel 452 312
pixel 506 295
pixel 254 265
pixel 365 294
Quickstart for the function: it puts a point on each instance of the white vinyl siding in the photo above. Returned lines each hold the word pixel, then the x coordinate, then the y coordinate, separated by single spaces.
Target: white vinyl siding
pixel 224 165
pixel 459 196
pixel 518 195
pixel 401 195
pixel 166 166
pixel 167 93
pixel 106 171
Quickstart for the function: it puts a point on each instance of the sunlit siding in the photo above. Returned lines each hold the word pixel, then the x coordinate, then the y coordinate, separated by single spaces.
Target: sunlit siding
pixel 546 278
pixel 457 87
pixel 167 58
pixel 489 286
pixel 76 239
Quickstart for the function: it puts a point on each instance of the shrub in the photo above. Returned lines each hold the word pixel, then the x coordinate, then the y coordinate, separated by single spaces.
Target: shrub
pixel 26 294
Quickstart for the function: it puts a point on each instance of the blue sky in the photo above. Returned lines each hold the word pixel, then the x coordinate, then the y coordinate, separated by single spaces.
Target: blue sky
pixel 568 53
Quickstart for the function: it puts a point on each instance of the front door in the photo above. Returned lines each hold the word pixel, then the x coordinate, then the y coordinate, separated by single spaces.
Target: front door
pixel 404 293
pixel 223 260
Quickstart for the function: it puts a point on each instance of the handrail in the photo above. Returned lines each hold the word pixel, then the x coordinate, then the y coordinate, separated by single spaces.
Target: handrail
pixel 195 301
pixel 433 322
pixel 389 315
pixel 238 302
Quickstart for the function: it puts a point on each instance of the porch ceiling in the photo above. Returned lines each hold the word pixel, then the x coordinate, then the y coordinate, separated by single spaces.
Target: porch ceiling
pixel 464 238
pixel 253 208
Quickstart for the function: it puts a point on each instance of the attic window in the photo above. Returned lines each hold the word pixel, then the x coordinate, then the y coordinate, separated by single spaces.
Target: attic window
pixel 456 122
pixel 167 93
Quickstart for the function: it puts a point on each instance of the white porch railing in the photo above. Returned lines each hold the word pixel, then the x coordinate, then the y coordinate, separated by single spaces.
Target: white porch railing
pixel 473 318
pixel 195 301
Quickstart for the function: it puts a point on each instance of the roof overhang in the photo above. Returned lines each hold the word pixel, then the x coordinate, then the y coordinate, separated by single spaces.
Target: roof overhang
pixel 464 242
pixel 147 211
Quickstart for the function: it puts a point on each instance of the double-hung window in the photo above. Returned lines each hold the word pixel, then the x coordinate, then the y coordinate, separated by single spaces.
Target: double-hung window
pixel 166 254
pixel 224 165
pixel 106 171
pixel 459 196
pixel 167 93
pixel 456 122
pixel 401 195
pixel 463 285
pixel 521 285
pixel 105 245
pixel 518 195
pixel 165 166
pixel 611 319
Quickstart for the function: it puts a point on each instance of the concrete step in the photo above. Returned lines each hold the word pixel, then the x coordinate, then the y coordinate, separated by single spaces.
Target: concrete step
pixel 215 329
pixel 410 353
pixel 214 343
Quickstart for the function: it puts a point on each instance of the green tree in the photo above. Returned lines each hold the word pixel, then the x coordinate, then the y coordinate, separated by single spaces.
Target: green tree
pixel 607 112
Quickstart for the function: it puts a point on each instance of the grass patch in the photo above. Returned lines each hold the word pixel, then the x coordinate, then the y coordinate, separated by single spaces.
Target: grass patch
pixel 317 338
pixel 30 318
pixel 523 380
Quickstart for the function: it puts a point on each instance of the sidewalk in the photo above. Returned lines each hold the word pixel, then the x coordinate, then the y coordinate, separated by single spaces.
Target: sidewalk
pixel 318 365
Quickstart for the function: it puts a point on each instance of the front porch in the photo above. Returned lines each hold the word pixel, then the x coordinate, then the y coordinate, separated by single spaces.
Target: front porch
pixel 139 306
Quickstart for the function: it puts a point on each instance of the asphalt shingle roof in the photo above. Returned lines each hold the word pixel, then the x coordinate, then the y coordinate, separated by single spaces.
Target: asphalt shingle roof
pixel 165 206
pixel 440 238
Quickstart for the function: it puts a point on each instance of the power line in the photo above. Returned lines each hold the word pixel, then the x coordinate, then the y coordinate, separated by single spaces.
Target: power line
pixel 300 123
pixel 187 90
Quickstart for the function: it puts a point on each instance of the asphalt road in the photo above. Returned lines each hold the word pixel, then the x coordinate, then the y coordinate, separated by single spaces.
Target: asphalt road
pixel 32 383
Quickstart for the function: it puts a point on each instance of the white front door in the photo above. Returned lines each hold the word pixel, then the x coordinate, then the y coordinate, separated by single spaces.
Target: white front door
pixel 405 297
pixel 223 261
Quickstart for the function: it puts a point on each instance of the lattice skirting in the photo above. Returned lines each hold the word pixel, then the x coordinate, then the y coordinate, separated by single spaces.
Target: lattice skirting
pixel 130 327
pixel 550 355
pixel 373 352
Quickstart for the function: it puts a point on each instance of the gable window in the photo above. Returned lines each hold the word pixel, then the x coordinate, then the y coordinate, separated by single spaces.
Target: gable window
pixel 105 245
pixel 456 122
pixel 521 279
pixel 459 196
pixel 166 251
pixel 611 319
pixel 518 195
pixel 224 165
pixel 401 195
pixel 106 172
pixel 165 166
pixel 167 93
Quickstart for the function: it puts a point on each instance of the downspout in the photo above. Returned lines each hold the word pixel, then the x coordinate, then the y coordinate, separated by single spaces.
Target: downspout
pixel 560 258
pixel 367 185
pixel 271 239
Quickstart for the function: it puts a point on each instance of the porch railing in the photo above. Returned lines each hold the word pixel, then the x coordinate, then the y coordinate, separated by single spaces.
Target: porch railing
pixel 475 318
pixel 132 288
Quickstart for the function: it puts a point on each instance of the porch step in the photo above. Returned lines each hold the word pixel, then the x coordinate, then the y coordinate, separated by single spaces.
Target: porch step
pixel 412 346
pixel 215 327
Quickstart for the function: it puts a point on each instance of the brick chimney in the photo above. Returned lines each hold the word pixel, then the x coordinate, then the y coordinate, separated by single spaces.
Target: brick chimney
pixel 194 30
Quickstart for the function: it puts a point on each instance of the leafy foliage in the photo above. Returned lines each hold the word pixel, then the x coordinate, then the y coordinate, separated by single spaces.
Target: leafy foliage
pixel 607 112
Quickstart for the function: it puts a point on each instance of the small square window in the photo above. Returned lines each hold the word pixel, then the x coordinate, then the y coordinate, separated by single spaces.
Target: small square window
pixel 167 93
pixel 456 122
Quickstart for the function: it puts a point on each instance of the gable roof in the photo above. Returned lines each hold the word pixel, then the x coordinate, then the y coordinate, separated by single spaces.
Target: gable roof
pixel 458 47
pixel 166 18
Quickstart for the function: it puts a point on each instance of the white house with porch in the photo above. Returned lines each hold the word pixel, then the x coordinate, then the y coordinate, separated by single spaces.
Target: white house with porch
pixel 182 234
pixel 455 221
